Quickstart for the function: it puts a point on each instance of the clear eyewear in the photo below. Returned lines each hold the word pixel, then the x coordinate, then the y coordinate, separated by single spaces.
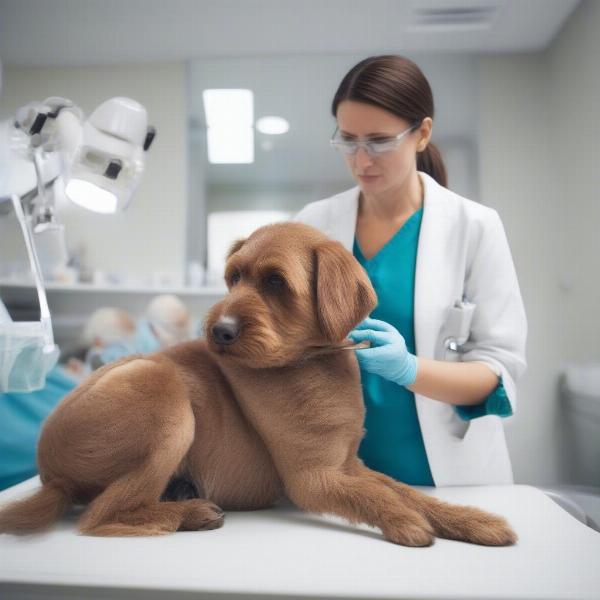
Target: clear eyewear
pixel 374 147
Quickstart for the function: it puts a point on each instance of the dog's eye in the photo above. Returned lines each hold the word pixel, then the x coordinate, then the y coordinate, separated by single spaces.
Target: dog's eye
pixel 275 281
pixel 234 278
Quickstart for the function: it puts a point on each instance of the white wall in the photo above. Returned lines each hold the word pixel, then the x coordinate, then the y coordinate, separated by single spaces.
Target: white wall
pixel 150 235
pixel 539 160
pixel 574 157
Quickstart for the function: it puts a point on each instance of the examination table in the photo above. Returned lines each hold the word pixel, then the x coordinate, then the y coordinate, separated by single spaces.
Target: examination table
pixel 286 553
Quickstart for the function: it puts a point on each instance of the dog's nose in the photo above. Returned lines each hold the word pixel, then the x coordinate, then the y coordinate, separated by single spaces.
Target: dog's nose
pixel 225 332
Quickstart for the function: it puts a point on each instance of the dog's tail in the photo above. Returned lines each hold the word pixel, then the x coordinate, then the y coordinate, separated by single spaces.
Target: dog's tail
pixel 37 512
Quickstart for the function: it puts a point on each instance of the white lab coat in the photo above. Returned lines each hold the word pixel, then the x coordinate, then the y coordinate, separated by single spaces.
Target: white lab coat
pixel 462 252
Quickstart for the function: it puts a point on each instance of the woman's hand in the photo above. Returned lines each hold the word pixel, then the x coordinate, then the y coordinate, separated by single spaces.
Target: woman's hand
pixel 388 355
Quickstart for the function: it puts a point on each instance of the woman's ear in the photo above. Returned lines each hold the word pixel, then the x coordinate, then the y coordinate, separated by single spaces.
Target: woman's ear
pixel 344 294
pixel 235 247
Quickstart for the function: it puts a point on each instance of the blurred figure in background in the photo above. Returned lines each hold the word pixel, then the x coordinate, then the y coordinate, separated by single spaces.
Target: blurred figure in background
pixel 105 327
pixel 167 322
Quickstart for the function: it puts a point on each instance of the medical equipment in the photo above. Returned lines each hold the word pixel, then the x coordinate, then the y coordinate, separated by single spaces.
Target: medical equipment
pixel 108 163
pixel 27 348
pixel 102 158
pixel 457 328
pixel 100 161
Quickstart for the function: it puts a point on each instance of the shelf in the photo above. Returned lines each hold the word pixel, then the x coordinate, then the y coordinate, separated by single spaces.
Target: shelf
pixel 120 289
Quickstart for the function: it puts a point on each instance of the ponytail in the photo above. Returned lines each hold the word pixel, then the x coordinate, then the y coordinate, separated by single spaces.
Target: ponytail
pixel 430 161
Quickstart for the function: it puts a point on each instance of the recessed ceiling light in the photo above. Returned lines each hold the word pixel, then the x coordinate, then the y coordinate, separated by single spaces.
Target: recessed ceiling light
pixel 272 125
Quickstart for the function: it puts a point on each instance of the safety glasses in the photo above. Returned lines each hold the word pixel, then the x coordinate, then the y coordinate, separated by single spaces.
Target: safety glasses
pixel 373 146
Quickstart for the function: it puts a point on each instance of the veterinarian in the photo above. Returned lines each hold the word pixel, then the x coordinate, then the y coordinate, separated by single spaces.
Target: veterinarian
pixel 433 414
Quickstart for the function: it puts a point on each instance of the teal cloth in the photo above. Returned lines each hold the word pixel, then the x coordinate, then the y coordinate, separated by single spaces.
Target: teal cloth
pixel 393 442
pixel 497 403
pixel 21 419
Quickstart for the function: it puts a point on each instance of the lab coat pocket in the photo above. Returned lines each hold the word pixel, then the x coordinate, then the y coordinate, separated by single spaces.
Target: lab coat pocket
pixel 480 432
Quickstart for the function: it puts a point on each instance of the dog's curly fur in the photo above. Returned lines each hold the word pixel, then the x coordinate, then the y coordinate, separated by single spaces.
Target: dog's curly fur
pixel 163 442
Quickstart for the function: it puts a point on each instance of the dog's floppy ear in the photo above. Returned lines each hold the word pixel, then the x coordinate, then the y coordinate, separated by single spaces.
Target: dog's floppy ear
pixel 344 294
pixel 235 247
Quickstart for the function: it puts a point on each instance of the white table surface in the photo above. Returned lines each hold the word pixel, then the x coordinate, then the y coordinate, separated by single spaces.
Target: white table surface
pixel 285 552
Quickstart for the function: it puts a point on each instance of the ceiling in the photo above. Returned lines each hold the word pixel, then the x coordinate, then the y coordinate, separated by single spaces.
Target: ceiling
pixel 85 32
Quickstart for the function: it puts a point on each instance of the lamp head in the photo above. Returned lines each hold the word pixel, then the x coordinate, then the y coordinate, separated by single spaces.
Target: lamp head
pixel 105 168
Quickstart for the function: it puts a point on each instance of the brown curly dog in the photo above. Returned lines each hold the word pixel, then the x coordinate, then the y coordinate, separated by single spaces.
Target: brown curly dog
pixel 268 404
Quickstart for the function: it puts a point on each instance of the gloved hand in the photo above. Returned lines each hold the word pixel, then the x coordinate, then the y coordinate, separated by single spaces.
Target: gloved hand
pixel 388 355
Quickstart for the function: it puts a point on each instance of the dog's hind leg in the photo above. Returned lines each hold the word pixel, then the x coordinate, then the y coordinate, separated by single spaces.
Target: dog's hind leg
pixel 130 505
pixel 160 518
pixel 451 521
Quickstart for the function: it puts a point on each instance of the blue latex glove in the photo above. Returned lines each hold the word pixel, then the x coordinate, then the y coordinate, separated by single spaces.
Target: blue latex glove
pixel 388 355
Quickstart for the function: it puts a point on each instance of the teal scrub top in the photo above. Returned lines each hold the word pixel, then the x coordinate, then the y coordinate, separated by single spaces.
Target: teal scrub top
pixel 393 442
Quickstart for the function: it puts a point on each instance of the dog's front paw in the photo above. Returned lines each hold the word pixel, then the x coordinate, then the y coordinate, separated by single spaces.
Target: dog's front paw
pixel 474 525
pixel 412 530
pixel 489 529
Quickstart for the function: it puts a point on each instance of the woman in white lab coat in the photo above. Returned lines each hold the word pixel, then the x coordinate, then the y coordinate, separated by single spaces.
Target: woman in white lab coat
pixel 448 334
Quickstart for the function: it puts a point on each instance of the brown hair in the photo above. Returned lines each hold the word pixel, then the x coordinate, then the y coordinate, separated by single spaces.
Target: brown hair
pixel 396 84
